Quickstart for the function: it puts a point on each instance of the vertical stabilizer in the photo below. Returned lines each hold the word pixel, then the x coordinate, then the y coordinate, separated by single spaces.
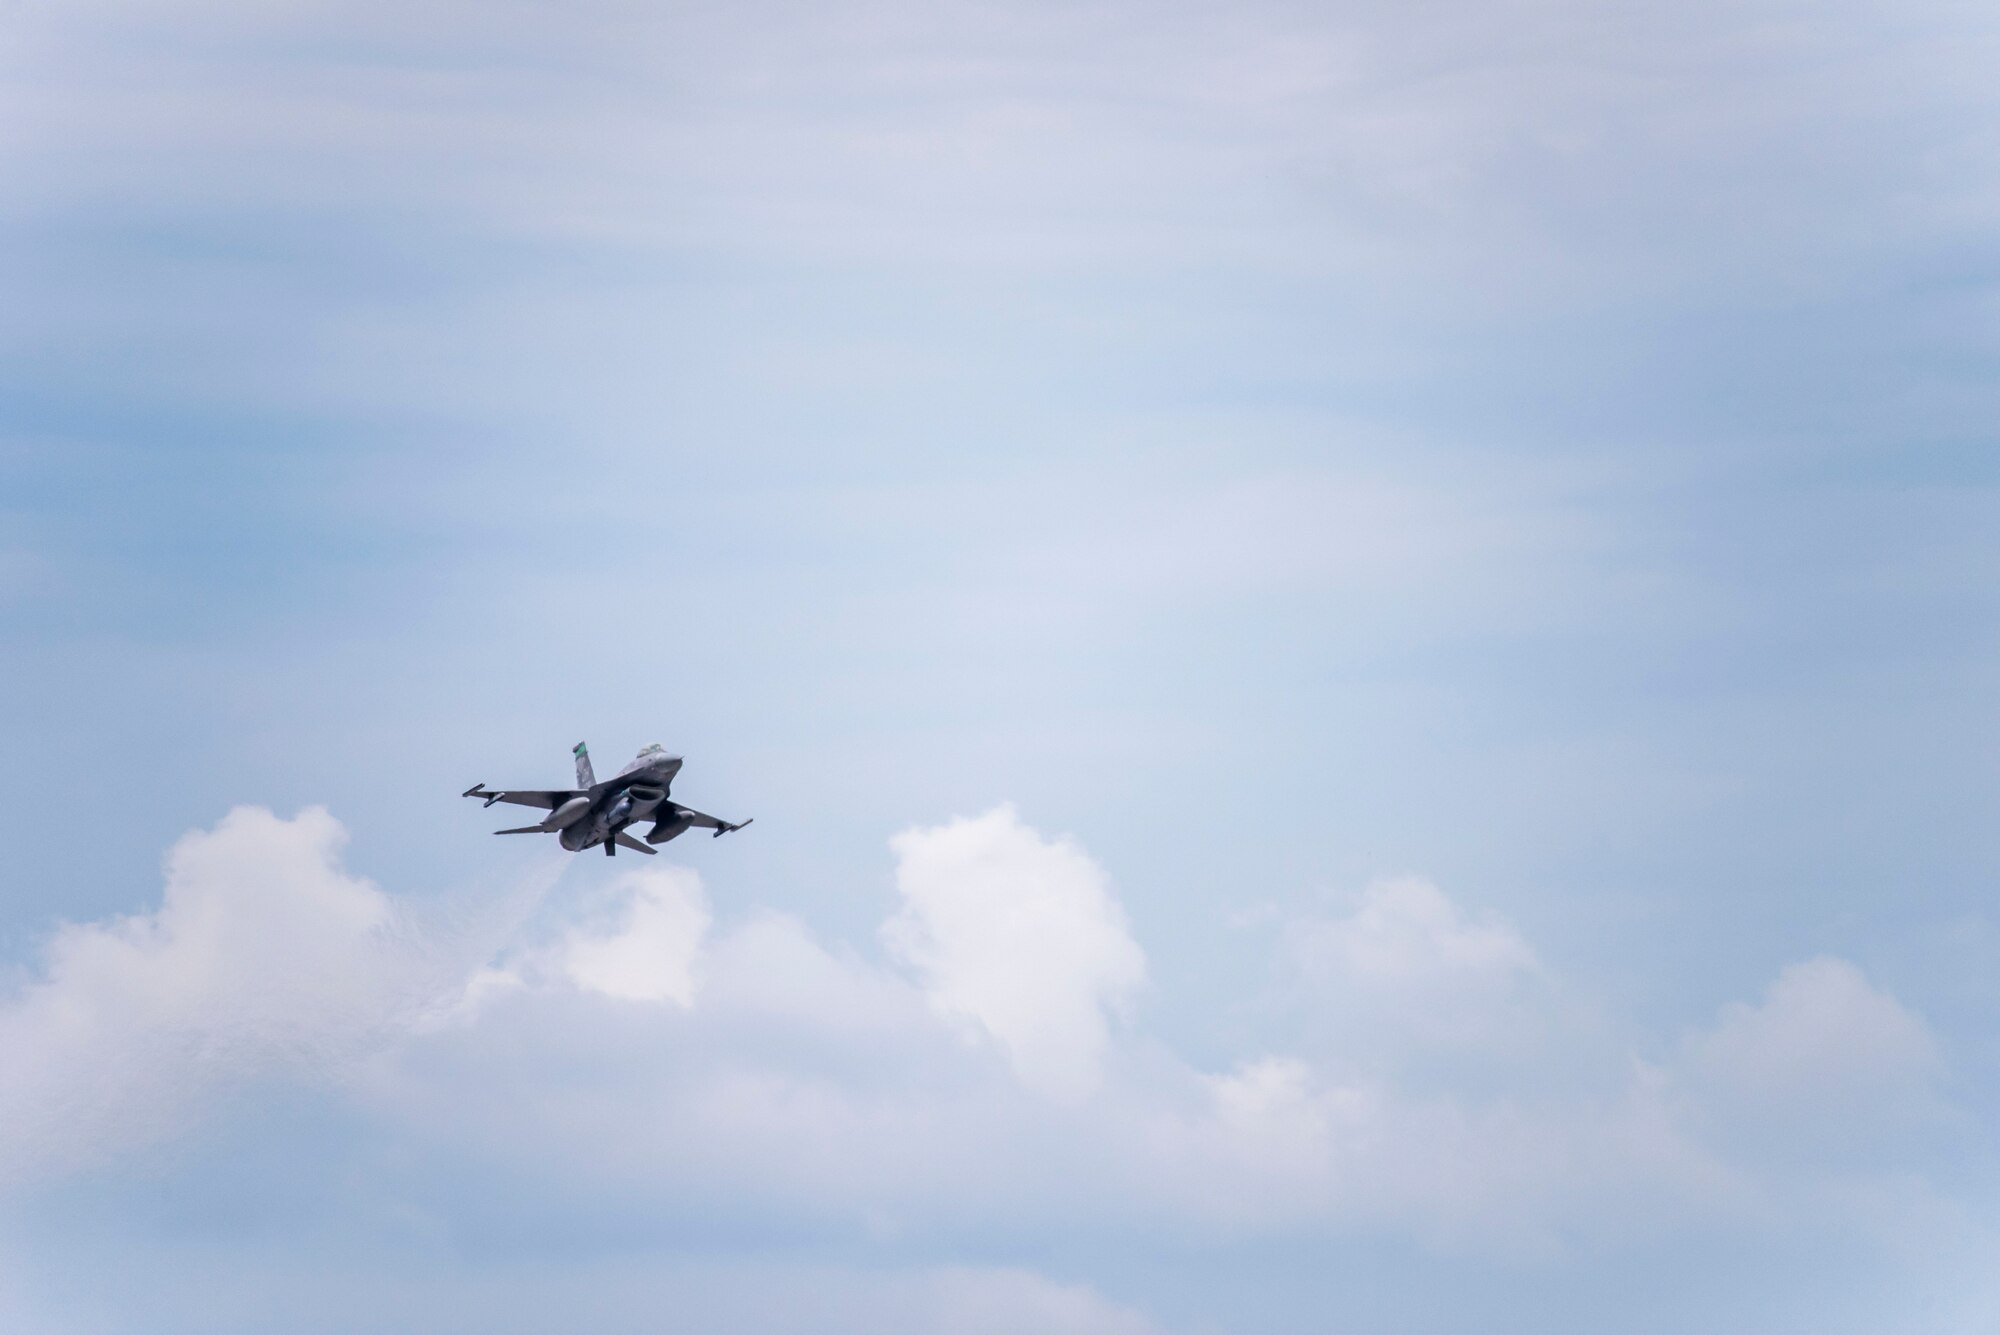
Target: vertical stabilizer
pixel 585 778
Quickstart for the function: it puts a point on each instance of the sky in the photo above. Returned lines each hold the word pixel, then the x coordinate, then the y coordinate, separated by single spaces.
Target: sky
pixel 1364 638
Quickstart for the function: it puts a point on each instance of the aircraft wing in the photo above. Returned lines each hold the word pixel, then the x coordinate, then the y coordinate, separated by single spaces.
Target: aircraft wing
pixel 702 821
pixel 548 799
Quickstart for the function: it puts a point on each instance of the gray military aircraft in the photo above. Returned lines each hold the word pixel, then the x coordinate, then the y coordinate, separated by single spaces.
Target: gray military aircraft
pixel 595 813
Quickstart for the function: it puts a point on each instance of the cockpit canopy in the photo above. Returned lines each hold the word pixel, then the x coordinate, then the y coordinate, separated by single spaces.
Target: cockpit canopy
pixel 653 757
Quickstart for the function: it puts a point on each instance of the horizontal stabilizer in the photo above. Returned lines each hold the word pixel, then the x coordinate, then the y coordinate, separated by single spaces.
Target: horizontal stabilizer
pixel 627 841
pixel 527 829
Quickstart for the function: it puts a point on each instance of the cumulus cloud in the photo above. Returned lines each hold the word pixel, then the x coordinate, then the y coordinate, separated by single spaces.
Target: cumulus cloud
pixel 645 944
pixel 1529 1169
pixel 1424 1102
pixel 672 1068
pixel 1406 976
pixel 264 955
pixel 1406 937
pixel 1018 936
pixel 1826 1060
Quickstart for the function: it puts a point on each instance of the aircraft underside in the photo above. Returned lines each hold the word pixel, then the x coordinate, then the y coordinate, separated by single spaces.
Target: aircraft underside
pixel 594 814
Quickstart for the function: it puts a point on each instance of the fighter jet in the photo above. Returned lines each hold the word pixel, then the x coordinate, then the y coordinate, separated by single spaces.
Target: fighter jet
pixel 595 813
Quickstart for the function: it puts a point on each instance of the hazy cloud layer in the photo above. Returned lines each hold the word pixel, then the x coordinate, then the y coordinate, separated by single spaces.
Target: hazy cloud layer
pixel 631 1060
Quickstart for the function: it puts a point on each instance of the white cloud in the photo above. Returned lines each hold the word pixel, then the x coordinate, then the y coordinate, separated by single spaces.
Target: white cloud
pixel 661 1066
pixel 647 951
pixel 1450 1086
pixel 1409 942
pixel 1825 1060
pixel 1020 936
pixel 1405 937
pixel 263 955
pixel 1406 979
pixel 1525 1170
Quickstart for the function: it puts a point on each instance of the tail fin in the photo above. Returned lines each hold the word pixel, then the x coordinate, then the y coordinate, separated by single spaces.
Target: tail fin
pixel 585 776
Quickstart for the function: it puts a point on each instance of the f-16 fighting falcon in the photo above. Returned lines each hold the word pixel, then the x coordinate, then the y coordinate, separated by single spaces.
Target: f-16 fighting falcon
pixel 595 813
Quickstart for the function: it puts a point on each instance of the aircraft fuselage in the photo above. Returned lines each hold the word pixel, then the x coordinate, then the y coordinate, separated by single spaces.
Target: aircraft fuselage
pixel 638 794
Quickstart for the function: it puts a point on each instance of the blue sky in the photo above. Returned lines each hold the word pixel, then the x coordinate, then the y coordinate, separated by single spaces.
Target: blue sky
pixel 1363 640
